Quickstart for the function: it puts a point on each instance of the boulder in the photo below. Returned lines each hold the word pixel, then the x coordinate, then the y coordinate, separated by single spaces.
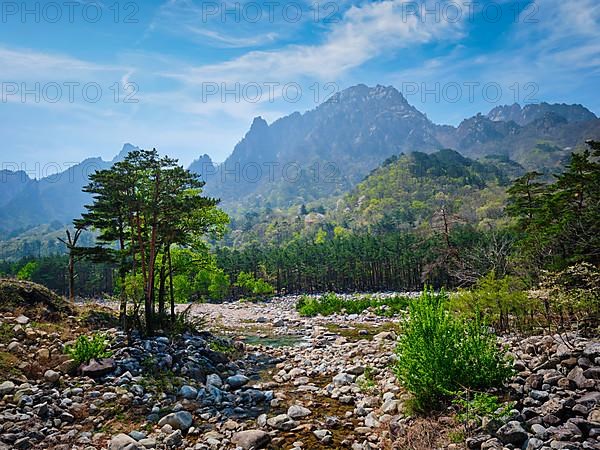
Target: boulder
pixel 297 412
pixel 181 420
pixel 282 422
pixel 251 439
pixel 7 388
pixel 237 381
pixel 512 433
pixel 51 376
pixel 188 392
pixel 97 367
pixel 124 442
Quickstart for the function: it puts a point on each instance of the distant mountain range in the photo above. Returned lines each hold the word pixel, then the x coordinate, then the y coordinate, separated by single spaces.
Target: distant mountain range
pixel 321 153
pixel 346 137
pixel 57 199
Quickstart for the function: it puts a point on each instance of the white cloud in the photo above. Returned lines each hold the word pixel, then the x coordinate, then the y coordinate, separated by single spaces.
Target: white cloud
pixel 364 33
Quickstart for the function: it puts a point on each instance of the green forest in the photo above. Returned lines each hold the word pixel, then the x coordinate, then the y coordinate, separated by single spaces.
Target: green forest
pixel 438 219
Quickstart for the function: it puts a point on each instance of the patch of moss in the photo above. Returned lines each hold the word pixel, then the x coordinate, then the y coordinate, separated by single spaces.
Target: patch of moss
pixel 8 365
pixel 6 333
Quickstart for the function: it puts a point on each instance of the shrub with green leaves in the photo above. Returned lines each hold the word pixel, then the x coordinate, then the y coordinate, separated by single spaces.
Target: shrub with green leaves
pixel 571 296
pixel 253 287
pixel 473 407
pixel 86 349
pixel 330 303
pixel 440 353
pixel 501 301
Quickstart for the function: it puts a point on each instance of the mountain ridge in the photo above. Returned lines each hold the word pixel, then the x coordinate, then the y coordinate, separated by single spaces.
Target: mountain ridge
pixel 323 152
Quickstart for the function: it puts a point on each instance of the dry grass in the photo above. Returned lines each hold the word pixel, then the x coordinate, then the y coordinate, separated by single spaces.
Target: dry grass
pixel 429 433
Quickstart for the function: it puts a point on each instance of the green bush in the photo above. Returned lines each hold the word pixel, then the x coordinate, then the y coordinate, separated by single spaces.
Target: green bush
pixel 439 353
pixel 253 287
pixel 571 296
pixel 330 303
pixel 86 349
pixel 472 409
pixel 26 272
pixel 502 302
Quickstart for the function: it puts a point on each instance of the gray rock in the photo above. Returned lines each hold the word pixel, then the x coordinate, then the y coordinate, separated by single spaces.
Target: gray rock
pixel 282 422
pixel 297 411
pixel 214 380
pixel 237 381
pixel 541 396
pixel 343 378
pixel 534 444
pixel 22 320
pixel 592 350
pixel 251 439
pixel 7 388
pixel 539 431
pixel 323 435
pixel 137 435
pixel 577 376
pixel 512 433
pixel 355 370
pixel 174 439
pixel 23 443
pixel 371 421
pixel 180 420
pixel 188 392
pixel 51 376
pixel 124 442
pixel 148 442
pixel 589 399
pixel 97 368
pixel 492 444
pixel 15 347
pixel 390 406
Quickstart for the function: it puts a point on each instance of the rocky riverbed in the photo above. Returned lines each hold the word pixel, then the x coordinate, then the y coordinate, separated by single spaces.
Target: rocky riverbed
pixel 320 383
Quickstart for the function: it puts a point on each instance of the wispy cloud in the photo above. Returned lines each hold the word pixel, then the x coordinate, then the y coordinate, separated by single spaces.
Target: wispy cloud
pixel 364 33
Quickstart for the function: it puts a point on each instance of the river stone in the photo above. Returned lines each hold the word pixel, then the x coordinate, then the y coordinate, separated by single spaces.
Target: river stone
pixel 343 378
pixel 297 411
pixel 123 442
pixel 22 320
pixel 188 392
pixel 282 422
pixel 214 380
pixel 97 367
pixel 237 381
pixel 181 420
pixel 51 376
pixel 6 388
pixel 512 433
pixel 251 439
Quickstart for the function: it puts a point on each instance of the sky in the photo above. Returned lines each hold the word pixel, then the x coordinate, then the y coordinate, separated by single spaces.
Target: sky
pixel 81 78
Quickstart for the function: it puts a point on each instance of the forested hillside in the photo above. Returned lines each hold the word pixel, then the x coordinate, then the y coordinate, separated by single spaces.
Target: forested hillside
pixel 313 159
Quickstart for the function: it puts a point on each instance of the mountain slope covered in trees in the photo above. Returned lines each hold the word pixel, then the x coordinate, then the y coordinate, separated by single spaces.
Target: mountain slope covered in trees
pixel 407 192
pixel 326 151
pixel 314 158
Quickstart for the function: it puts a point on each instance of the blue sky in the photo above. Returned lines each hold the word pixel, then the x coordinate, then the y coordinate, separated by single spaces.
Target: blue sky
pixel 81 78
